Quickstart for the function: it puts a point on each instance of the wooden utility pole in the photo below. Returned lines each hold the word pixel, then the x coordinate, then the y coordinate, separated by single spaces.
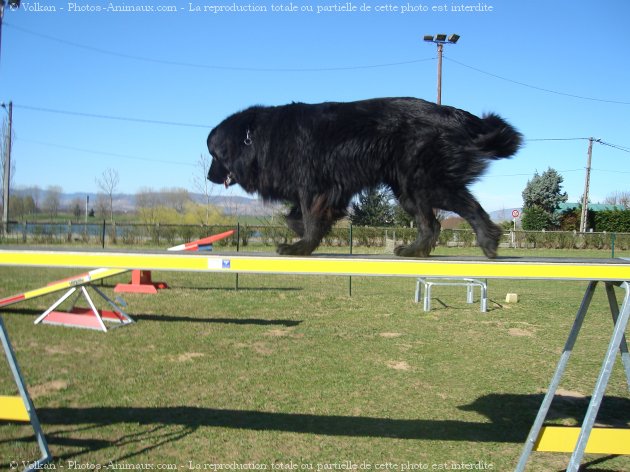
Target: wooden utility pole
pixel 587 183
pixel 7 172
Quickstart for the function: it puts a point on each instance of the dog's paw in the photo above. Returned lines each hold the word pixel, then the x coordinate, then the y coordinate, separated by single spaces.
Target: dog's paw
pixel 489 245
pixel 411 251
pixel 297 249
pixel 490 251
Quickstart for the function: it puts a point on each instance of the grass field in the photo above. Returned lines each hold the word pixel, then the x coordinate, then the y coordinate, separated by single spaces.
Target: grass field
pixel 291 373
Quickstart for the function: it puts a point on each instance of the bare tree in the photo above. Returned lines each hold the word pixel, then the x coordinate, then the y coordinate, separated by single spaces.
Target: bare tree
pixel 175 198
pixel 108 182
pixel 102 205
pixel 76 205
pixel 36 193
pixel 52 201
pixel 202 184
pixel 147 203
pixel 618 198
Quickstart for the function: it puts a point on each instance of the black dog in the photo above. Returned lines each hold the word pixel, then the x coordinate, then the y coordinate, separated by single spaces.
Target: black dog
pixel 317 157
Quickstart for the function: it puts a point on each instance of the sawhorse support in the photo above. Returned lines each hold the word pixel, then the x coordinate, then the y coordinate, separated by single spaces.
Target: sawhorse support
pixel 90 318
pixel 617 342
pixel 21 408
pixel 141 282
pixel 470 285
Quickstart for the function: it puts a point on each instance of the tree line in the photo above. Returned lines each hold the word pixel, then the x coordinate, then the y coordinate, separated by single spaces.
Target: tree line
pixel 543 197
pixel 542 208
pixel 167 205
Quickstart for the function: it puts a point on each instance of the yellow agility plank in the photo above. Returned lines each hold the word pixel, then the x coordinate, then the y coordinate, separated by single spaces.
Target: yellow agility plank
pixel 513 267
pixel 75 281
pixel 13 409
pixel 600 441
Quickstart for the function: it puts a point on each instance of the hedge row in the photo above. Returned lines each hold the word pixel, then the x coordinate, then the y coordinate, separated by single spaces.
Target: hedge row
pixel 169 235
pixel 612 221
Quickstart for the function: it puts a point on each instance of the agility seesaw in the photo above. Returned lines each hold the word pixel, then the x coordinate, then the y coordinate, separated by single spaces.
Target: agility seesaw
pixel 611 272
pixel 141 283
pixel 141 279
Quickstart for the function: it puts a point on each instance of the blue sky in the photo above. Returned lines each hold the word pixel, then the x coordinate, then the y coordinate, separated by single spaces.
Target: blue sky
pixel 195 68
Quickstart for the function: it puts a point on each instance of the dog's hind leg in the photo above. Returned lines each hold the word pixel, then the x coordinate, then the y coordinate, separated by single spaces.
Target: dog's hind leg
pixel 488 234
pixel 428 227
pixel 295 221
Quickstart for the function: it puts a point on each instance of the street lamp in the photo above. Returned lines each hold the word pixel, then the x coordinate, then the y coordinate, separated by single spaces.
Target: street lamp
pixel 441 40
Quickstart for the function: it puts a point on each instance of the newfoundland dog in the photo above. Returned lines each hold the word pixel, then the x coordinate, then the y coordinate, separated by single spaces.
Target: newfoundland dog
pixel 319 156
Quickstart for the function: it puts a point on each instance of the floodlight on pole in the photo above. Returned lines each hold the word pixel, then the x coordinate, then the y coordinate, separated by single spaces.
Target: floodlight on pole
pixel 440 40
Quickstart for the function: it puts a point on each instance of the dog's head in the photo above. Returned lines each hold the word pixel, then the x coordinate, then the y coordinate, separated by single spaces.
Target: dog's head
pixel 233 151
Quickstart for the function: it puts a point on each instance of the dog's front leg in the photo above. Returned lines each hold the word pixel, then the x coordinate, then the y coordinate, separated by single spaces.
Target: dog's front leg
pixel 317 219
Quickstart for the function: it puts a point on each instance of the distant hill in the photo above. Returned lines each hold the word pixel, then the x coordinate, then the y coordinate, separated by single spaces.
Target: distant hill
pixel 124 202
pixel 230 205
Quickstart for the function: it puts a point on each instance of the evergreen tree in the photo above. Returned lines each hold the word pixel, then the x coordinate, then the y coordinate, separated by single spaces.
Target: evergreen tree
pixel 401 217
pixel 373 208
pixel 541 198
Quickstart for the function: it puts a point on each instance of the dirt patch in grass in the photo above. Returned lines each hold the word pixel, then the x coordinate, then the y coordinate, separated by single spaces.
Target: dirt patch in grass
pixel 44 389
pixel 519 332
pixel 284 333
pixel 258 347
pixel 398 365
pixel 188 356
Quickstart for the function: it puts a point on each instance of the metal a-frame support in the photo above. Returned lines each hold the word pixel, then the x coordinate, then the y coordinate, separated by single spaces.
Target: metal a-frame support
pixel 617 343
pixel 24 408
pixel 89 318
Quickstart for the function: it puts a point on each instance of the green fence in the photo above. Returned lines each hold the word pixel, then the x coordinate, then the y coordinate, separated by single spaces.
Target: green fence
pixel 112 235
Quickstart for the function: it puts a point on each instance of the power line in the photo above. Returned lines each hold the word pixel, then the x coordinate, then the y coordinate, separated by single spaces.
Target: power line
pixel 209 66
pixel 612 171
pixel 104 153
pixel 542 89
pixel 615 146
pixel 599 141
pixel 195 125
pixel 110 117
pixel 529 174
pixel 556 139
pixel 305 69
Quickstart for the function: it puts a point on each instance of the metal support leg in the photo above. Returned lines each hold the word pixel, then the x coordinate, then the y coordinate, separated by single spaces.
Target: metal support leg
pixel 602 381
pixel 418 290
pixel 55 305
pixel 17 375
pixel 93 308
pixel 555 381
pixel 427 296
pixel 623 347
pixel 484 296
pixel 128 319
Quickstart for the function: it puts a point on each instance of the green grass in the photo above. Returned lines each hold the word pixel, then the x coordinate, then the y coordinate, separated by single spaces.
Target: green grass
pixel 293 369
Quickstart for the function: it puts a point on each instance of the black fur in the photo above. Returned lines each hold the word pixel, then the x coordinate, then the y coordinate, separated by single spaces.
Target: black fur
pixel 317 157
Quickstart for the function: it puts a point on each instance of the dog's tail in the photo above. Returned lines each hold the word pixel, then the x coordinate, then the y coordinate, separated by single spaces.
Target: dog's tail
pixel 497 138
